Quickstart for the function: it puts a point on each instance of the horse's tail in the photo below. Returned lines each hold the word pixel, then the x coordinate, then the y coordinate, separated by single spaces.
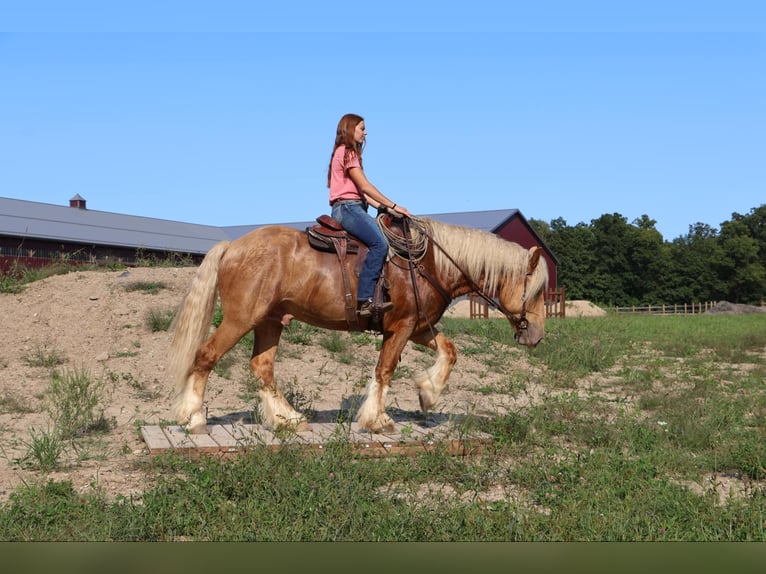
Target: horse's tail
pixel 192 322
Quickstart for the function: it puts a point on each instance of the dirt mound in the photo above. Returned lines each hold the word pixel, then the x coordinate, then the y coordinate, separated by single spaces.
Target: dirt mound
pixel 726 308
pixel 579 308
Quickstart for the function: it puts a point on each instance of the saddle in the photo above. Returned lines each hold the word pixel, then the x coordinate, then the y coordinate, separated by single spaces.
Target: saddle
pixel 327 235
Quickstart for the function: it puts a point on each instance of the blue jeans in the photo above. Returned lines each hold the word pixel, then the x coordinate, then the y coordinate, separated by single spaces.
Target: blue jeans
pixel 353 218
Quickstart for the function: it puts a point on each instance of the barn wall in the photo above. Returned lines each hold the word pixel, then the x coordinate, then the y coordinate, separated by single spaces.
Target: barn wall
pixel 16 252
pixel 518 231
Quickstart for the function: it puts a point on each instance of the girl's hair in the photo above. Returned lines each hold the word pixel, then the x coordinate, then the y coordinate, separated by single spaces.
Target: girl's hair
pixel 344 136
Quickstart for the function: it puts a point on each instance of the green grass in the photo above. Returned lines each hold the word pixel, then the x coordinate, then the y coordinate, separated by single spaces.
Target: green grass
pixel 160 320
pixel 148 287
pixel 631 414
pixel 19 276
pixel 44 450
pixel 75 401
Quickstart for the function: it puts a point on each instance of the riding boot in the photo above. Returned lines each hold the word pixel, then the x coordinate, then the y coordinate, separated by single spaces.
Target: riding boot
pixel 366 308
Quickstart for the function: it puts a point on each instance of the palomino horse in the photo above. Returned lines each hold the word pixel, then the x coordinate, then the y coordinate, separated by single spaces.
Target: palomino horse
pixel 271 275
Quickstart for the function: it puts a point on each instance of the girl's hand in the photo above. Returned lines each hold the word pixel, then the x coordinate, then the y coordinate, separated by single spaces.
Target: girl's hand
pixel 399 211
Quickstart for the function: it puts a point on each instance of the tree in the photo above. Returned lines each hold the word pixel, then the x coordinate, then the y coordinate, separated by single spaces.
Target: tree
pixel 614 275
pixel 574 250
pixel 741 268
pixel 613 262
pixel 697 259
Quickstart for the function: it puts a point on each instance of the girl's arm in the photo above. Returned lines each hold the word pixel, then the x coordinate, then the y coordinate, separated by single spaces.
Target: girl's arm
pixel 373 195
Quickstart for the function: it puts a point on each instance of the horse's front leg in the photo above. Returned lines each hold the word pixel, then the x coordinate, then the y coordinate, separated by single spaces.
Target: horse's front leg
pixel 431 382
pixel 372 414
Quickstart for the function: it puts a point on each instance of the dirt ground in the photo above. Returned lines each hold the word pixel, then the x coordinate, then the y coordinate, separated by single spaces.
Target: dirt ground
pixel 94 325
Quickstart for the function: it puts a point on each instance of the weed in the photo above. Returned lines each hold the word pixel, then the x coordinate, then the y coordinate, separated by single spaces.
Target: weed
pixel 73 400
pixel 160 320
pixel 300 333
pixel 333 342
pixel 299 400
pixel 223 366
pixel 43 451
pixel 120 354
pixel 12 403
pixel 42 357
pixel 149 287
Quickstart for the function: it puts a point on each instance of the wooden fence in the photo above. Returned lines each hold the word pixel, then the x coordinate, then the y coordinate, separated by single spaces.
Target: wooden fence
pixel 555 304
pixel 675 309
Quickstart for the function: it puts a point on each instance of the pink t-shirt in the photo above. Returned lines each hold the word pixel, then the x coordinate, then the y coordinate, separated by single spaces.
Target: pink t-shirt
pixel 341 185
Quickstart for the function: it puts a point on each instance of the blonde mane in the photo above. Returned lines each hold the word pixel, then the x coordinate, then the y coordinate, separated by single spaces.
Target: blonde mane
pixel 482 255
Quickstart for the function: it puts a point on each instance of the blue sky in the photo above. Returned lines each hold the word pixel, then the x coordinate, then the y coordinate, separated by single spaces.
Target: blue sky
pixel 226 115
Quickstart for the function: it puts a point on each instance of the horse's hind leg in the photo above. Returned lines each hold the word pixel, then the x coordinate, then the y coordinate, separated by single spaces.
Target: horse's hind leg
pixel 432 381
pixel 188 409
pixel 277 412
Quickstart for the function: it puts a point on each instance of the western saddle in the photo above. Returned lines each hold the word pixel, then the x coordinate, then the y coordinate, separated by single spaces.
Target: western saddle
pixel 328 235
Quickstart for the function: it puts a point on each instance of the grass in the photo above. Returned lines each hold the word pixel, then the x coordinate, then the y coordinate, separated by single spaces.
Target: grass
pixel 44 357
pixel 44 449
pixel 148 287
pixel 634 420
pixel 74 402
pixel 18 276
pixel 160 320
pixel 12 403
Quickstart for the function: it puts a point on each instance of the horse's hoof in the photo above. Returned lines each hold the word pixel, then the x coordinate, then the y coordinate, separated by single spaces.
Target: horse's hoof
pixel 381 425
pixel 297 424
pixel 197 424
pixel 426 401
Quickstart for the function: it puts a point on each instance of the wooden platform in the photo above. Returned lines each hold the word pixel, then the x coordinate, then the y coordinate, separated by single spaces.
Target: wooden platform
pixel 233 439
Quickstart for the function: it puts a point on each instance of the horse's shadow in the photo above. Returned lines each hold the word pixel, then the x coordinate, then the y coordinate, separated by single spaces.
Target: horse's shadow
pixel 345 414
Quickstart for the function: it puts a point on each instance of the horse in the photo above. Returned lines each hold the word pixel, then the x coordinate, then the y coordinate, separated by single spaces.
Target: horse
pixel 272 275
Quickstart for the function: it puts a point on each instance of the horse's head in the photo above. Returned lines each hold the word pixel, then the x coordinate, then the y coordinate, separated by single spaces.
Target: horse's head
pixel 524 301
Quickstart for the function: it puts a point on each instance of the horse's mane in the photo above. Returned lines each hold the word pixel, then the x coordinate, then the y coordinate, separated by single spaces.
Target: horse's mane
pixel 481 255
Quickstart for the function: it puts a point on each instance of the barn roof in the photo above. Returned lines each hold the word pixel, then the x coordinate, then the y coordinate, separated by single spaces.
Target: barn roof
pixel 29 219
pixel 489 221
pixel 34 220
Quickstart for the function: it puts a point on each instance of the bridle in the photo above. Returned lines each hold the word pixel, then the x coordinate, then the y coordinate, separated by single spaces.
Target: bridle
pixel 521 323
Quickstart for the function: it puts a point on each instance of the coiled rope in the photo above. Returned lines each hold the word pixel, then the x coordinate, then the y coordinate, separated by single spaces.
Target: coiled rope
pixel 413 248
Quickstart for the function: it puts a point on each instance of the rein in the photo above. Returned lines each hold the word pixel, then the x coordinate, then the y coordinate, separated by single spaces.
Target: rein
pixel 521 323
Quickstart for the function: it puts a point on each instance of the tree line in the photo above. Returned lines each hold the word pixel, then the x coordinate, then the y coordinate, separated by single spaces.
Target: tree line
pixel 613 262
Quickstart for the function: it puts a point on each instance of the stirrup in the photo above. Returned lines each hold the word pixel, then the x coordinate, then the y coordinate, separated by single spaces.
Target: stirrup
pixel 368 308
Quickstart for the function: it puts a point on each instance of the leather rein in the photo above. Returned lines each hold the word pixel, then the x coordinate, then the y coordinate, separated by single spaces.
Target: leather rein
pixel 521 322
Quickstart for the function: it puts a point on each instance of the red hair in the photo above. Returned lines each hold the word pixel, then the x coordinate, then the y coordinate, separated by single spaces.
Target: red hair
pixel 344 136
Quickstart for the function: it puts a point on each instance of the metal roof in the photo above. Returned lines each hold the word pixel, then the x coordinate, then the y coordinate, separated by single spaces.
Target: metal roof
pixel 46 221
pixel 72 224
pixel 489 221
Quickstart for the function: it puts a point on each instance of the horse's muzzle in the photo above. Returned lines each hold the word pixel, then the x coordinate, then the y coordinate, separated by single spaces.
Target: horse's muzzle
pixel 529 337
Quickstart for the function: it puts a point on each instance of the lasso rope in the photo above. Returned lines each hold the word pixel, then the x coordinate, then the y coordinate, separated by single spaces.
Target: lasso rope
pixel 413 248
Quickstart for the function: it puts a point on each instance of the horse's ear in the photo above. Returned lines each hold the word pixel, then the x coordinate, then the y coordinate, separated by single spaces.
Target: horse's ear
pixel 534 258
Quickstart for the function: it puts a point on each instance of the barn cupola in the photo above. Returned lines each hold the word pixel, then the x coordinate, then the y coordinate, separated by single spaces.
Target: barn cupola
pixel 77 202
